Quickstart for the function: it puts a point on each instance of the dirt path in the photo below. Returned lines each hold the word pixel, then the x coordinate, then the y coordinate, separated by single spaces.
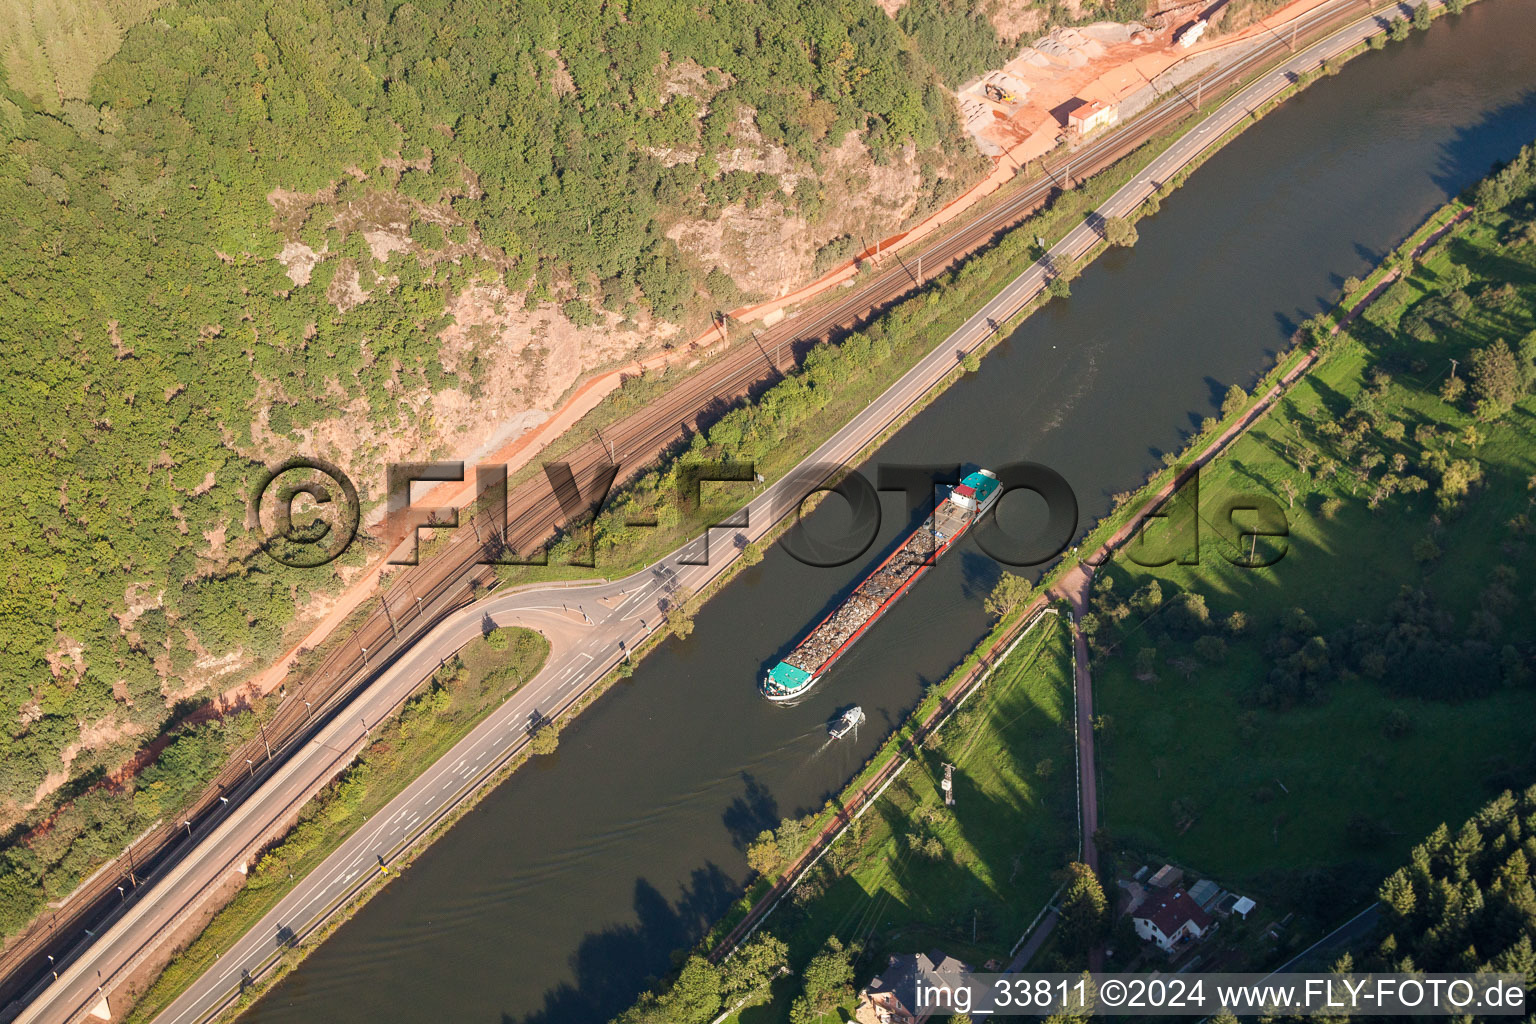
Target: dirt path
pixel 872 788
pixel 1076 585
pixel 1074 588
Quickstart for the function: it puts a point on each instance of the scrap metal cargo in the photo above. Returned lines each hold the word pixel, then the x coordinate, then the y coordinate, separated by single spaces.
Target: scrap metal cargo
pixel 810 659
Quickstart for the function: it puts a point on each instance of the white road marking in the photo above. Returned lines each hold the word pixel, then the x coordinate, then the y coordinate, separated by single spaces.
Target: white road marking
pixel 1035 275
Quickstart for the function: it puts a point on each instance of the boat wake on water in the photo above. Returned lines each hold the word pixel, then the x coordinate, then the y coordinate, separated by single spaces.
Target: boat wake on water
pixel 846 724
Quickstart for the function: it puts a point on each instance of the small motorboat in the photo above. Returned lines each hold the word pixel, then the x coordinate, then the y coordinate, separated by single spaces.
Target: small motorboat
pixel 851 720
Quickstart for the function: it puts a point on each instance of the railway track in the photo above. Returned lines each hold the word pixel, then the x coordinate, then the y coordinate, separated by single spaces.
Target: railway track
pixel 451 577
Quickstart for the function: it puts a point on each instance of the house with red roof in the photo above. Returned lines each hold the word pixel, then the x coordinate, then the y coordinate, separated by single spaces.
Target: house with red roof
pixel 1170 919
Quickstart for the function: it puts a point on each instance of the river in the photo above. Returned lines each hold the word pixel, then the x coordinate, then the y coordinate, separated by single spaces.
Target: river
pixel 567 888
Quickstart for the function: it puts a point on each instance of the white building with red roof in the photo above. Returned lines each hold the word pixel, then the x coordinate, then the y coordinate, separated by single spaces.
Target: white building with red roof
pixel 1171 918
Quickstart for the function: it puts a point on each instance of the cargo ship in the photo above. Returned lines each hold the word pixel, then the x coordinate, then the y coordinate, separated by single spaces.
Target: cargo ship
pixel 793 677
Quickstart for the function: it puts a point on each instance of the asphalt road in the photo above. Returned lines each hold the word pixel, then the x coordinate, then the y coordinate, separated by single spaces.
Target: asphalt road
pixel 588 627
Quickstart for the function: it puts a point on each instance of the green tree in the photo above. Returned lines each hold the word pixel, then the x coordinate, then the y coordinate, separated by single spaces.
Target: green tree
pixel 958 38
pixel 1008 593
pixel 680 609
pixel 695 997
pixel 1120 231
pixel 1148 597
pixel 1212 649
pixel 545 740
pixel 1441 906
pixel 826 982
pixel 1084 920
pixel 753 966
pixel 1316 329
pixel 1496 380
pixel 1526 359
pixel 763 854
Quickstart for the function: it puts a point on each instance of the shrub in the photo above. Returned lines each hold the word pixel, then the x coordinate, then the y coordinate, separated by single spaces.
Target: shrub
pixel 545 740
pixel 1120 231
pixel 578 312
pixel 1397 724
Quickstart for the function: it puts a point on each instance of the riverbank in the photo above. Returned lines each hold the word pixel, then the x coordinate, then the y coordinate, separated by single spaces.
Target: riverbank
pixel 483 675
pixel 1111 532
pixel 1100 545
pixel 1377 453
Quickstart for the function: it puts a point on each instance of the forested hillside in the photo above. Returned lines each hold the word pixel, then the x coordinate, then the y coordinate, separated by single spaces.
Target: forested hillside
pixel 1467 900
pixel 244 233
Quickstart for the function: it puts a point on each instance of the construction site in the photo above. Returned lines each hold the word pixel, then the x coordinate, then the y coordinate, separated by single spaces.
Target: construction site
pixel 1076 80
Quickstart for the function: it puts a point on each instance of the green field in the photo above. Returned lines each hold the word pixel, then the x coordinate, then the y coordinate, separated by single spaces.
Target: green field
pixel 913 874
pixel 1398 696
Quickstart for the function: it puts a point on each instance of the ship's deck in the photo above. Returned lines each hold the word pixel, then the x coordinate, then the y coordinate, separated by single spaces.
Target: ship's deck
pixel 878 587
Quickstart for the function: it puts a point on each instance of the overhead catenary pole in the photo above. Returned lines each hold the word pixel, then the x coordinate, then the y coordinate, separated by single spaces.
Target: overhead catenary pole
pixel 772 362
pixel 388 617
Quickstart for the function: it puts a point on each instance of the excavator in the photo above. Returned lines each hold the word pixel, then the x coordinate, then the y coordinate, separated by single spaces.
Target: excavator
pixel 998 93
